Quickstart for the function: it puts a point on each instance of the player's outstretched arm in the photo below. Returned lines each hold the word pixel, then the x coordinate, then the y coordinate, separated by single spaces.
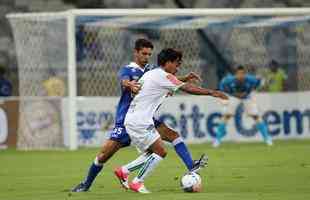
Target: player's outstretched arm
pixel 192 89
pixel 192 76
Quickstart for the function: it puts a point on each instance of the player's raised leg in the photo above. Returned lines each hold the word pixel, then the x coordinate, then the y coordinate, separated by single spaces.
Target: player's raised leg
pixel 169 135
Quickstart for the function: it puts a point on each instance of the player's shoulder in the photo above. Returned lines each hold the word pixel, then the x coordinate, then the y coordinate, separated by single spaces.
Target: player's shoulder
pixel 124 68
pixel 130 68
pixel 156 75
pixel 127 67
pixel 228 78
pixel 251 77
pixel 155 72
pixel 149 67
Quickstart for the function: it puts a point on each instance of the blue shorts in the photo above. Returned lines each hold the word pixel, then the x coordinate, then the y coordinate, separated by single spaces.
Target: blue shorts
pixel 119 134
pixel 157 122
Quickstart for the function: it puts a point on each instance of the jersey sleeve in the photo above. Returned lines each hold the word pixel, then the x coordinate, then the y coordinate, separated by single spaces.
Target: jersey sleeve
pixel 124 74
pixel 170 82
pixel 255 81
pixel 224 85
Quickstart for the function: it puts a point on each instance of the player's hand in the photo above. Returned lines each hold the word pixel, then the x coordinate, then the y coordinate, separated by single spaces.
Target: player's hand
pixel 219 94
pixel 134 86
pixel 192 76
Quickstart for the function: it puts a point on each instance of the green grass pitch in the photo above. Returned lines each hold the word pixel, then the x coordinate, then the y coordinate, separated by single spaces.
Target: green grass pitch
pixel 236 172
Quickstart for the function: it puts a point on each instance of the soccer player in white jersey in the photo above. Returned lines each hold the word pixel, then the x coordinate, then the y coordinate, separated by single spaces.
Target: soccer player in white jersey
pixel 156 85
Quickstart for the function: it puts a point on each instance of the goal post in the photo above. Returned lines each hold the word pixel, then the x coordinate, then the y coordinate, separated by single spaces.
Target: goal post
pixel 72 81
pixel 45 49
pixel 81 50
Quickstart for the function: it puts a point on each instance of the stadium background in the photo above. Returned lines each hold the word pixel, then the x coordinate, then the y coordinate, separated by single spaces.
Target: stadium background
pixel 102 49
pixel 236 171
pixel 216 67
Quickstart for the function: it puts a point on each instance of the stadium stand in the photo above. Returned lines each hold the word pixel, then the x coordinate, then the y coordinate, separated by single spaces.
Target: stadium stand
pixel 7 53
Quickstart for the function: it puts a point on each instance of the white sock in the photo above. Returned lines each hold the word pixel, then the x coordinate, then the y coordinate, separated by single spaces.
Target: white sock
pixel 177 141
pixel 136 164
pixel 152 161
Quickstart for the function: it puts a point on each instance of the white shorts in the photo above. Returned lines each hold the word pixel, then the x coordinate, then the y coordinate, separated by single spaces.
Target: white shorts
pixel 142 136
pixel 230 106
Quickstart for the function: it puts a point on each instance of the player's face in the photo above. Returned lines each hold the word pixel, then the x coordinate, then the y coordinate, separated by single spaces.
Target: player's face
pixel 142 56
pixel 172 67
pixel 240 75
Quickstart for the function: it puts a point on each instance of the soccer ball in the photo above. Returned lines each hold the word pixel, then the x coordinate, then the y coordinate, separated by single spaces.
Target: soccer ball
pixel 191 182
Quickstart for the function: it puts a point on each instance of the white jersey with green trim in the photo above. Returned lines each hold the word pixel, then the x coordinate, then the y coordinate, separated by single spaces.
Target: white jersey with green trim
pixel 156 85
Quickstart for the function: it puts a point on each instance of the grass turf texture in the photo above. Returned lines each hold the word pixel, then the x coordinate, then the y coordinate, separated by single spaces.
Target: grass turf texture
pixel 236 171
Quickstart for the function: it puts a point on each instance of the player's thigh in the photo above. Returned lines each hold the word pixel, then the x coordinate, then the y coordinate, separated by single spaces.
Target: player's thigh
pixel 166 133
pixel 119 134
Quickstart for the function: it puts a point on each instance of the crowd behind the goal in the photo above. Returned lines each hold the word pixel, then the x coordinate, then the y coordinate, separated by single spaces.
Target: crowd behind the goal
pixel 274 75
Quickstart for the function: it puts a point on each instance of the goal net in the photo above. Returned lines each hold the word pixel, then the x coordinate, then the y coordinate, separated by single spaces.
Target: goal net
pixel 65 58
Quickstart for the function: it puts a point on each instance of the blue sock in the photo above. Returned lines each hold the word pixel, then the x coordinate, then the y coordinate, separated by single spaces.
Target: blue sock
pixel 93 171
pixel 183 153
pixel 221 131
pixel 262 127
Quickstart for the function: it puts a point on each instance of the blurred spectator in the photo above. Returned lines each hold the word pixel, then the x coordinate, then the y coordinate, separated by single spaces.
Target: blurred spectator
pixel 80 37
pixel 55 86
pixel 5 85
pixel 88 44
pixel 276 77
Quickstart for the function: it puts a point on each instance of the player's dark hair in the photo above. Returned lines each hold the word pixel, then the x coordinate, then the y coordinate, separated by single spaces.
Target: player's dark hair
pixel 143 43
pixel 239 67
pixel 167 55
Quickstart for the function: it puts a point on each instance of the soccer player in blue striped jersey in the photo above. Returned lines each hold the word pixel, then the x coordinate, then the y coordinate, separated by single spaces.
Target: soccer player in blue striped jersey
pixel 240 87
pixel 128 77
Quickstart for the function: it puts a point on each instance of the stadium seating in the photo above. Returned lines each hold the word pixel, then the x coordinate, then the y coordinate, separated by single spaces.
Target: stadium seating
pixel 7 6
